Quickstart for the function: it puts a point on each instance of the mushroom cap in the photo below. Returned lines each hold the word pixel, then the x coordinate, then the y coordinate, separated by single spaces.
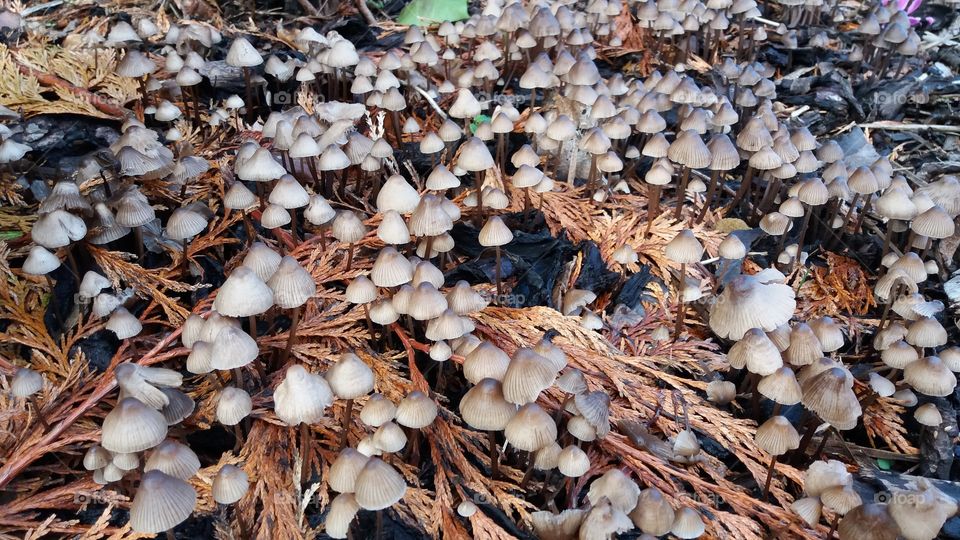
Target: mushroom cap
pixel 378 486
pixel 756 352
pixel 291 284
pixel 617 487
pixel 350 377
pixel 484 408
pixel 343 508
pixel 40 261
pixel 230 484
pixel 653 514
pixel 416 410
pixel 233 405
pixel 243 294
pixel 531 428
pixel 747 303
pixel 301 396
pixel 684 248
pixel 161 503
pixel 132 427
pixel 173 458
pixel 930 376
pixel 777 436
pixel 526 376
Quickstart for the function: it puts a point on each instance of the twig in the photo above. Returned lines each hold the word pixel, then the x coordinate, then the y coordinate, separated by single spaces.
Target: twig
pixel 101 103
pixel 890 125
pixel 365 11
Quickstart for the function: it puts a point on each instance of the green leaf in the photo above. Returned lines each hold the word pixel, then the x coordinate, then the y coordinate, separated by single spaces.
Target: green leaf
pixel 10 235
pixel 883 464
pixel 477 120
pixel 427 12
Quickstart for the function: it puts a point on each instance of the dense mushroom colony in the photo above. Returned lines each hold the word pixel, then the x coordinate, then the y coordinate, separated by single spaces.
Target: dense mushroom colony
pixel 355 185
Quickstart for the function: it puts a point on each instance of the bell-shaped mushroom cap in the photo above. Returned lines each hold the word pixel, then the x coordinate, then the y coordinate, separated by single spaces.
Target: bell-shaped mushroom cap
pixel 951 358
pixel 562 526
pixel 175 459
pixel 573 462
pixel 527 375
pixel 653 514
pixel 262 259
pixel 828 332
pixel 243 294
pixel 361 291
pixel 781 387
pixel 930 376
pixel 474 156
pixel 484 408
pixel 123 323
pixel 495 233
pixel 448 325
pixel 416 410
pixel 161 503
pixel 319 211
pixel 348 228
pixel 928 415
pixel 377 411
pixel 126 462
pixel 274 216
pixel 721 392
pixel 921 513
pixel 804 348
pixel 350 377
pixel 233 405
pixel 233 348
pixel 343 508
pixel 26 382
pixel 389 438
pixel 684 248
pixel 689 150
pixel 732 248
pixel 748 303
pixel 756 352
pixel 301 397
pixel 239 197
pixel 398 195
pixel 933 223
pixel 688 524
pixel 288 193
pixel 430 217
pixel 185 223
pixel 95 458
pixel 617 487
pixel 440 351
pixel 379 486
pixel 576 299
pixel 829 395
pixel 243 54
pixel 463 299
pixel 809 509
pixel 926 332
pixel 230 484
pixel 485 361
pixel 393 229
pixel 291 284
pixel 775 223
pixel 426 272
pixel 382 312
pixel 391 269
pixel 777 436
pixel 132 427
pixel 881 385
pixel 427 303
pixel 58 229
pixel 260 167
pixel 686 443
pixel 548 457
pixel 135 64
pixel 344 470
pixel 40 261
pixel 531 428
pixel 868 522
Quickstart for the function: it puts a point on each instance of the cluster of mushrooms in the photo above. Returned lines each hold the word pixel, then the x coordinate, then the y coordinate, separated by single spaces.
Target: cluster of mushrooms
pixel 330 172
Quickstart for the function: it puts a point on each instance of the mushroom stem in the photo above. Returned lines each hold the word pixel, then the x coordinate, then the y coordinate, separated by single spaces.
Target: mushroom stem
pixel 248 104
pixel 680 307
pixel 291 339
pixel 886 238
pixel 711 190
pixel 54 303
pixel 39 411
pixel 681 190
pixel 350 256
pixel 185 262
pixel 238 377
pixel 428 248
pixel 497 274
pixel 305 443
pixel 744 188
pixel 886 309
pixel 366 314
pixel 293 227
pixel 766 484
pixel 347 418
pixel 807 211
pixel 653 206
pixel 823 441
pixel 478 182
pixel 170 535
pixel 494 455
pixel 248 226
pixel 853 204
pixel 137 239
pixel 395 120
